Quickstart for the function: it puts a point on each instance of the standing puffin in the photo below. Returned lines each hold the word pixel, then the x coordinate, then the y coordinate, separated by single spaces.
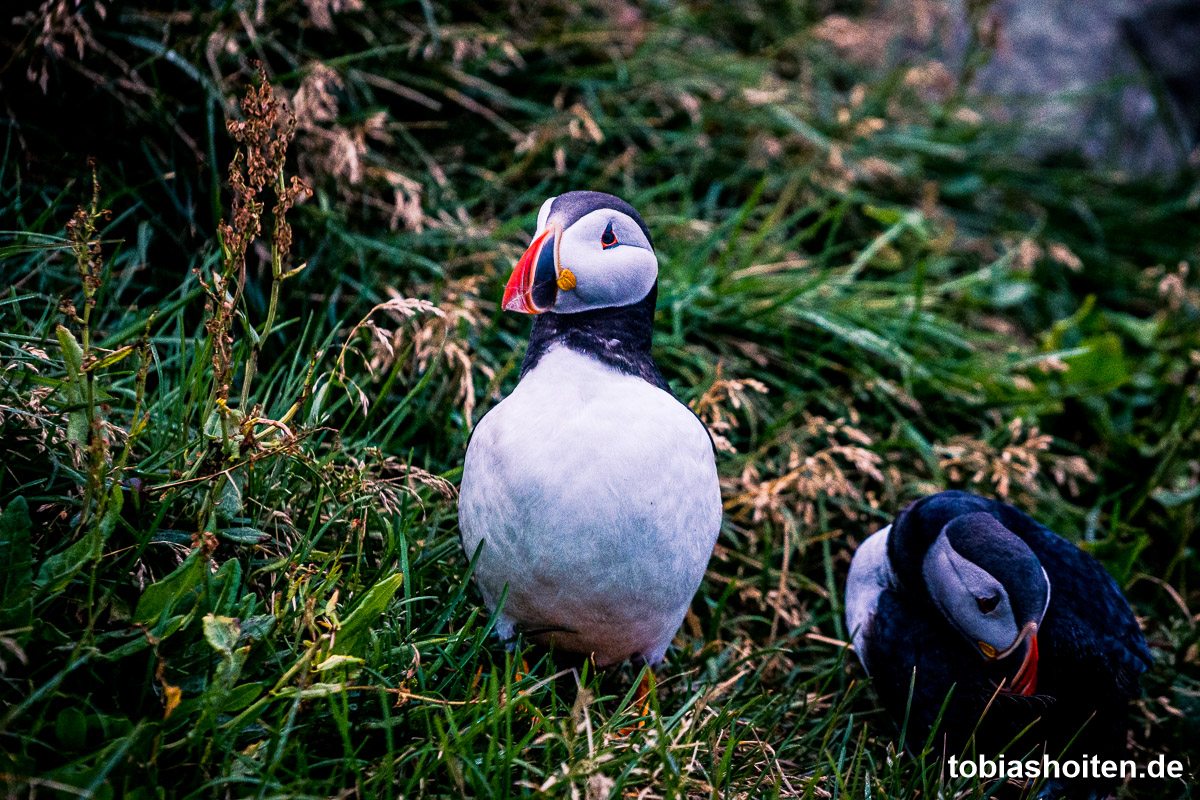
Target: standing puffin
pixel 590 492
pixel 973 594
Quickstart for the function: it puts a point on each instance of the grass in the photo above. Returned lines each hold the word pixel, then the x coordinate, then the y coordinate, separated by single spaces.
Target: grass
pixel 229 562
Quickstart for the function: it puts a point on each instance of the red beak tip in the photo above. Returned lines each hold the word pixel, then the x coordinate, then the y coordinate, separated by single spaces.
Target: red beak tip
pixel 1025 681
pixel 515 303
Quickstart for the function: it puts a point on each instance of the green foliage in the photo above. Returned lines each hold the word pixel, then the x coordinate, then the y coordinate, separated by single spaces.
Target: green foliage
pixel 16 568
pixel 229 563
pixel 163 596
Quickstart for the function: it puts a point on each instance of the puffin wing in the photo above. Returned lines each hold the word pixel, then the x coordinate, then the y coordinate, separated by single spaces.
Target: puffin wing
pixel 902 637
pixel 897 640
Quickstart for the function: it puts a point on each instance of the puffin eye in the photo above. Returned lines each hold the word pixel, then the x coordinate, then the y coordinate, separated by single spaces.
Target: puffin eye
pixel 987 604
pixel 608 239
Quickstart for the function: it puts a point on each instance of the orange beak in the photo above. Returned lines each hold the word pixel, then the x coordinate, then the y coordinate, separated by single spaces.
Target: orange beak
pixel 533 286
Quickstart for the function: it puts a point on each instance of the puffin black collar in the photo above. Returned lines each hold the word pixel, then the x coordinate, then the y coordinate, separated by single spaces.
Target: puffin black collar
pixel 618 337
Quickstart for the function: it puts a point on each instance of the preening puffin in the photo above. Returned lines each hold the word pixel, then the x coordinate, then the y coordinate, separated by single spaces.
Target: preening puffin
pixel 590 492
pixel 974 594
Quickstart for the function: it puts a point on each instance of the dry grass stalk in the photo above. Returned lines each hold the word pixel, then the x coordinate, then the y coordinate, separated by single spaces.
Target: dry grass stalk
pixel 1011 465
pixel 717 405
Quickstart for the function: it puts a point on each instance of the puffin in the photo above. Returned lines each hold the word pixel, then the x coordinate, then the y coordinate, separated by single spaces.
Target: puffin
pixel 589 498
pixel 970 599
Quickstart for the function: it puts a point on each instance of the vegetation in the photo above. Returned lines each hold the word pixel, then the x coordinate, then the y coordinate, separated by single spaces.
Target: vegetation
pixel 242 354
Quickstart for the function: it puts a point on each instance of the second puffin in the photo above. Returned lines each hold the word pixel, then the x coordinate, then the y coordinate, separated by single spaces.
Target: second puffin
pixel 591 489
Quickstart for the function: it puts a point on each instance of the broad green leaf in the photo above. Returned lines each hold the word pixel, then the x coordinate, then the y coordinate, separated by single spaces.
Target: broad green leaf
pixel 171 537
pixel 255 629
pixel 221 420
pixel 241 696
pixel 228 671
pixel 230 507
pixel 312 691
pixel 59 569
pixel 19 619
pixel 167 592
pixel 72 355
pixel 1102 367
pixel 139 642
pixel 71 728
pixel 112 513
pixel 77 419
pixel 338 661
pixel 1011 293
pixel 224 425
pixel 221 632
pixel 357 625
pixel 16 555
pixel 243 535
pixel 224 587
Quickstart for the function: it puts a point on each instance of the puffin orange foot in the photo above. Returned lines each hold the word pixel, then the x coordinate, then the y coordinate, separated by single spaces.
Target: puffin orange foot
pixel 641 701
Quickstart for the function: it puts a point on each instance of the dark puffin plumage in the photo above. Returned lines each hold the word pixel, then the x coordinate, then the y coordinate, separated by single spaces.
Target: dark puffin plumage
pixel 1091 651
pixel 619 337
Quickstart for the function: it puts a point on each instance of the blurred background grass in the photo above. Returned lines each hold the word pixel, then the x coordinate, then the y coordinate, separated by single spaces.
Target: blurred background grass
pixel 229 558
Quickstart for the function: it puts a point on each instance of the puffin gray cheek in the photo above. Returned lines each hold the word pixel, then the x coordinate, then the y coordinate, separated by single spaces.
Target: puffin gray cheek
pixel 598 272
pixel 956 585
pixel 619 277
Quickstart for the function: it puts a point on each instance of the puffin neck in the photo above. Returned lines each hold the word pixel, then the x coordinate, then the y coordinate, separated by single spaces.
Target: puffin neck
pixel 618 337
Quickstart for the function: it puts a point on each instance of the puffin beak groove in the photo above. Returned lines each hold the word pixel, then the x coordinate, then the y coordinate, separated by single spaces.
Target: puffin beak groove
pixel 1025 681
pixel 533 288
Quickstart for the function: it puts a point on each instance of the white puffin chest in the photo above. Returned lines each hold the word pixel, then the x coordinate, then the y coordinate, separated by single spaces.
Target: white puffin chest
pixel 595 496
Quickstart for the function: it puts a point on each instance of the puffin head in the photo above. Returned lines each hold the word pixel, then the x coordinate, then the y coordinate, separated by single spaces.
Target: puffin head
pixel 983 578
pixel 591 250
